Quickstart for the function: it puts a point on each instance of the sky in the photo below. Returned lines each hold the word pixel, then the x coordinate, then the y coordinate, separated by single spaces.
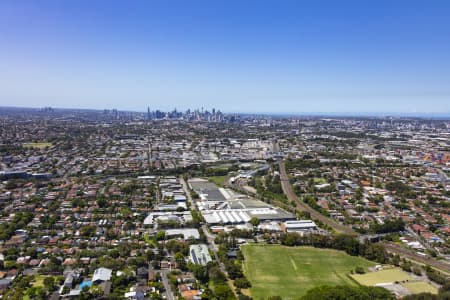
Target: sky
pixel 237 56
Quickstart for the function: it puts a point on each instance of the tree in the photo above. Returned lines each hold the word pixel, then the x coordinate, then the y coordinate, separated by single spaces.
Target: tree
pixel 101 202
pixel 254 221
pixel 96 291
pixel 160 235
pixel 49 283
pixel 88 231
pixel 396 260
pixel 242 283
pixel 181 262
pixel 223 291
pixel 358 194
pixel 200 272
pixel 342 292
pixel 234 270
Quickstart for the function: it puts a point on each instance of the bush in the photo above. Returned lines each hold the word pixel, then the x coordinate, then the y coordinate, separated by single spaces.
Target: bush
pixel 417 271
pixel 242 283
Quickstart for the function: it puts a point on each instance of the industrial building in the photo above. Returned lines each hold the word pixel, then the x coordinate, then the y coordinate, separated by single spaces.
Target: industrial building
pixel 199 254
pixel 299 226
pixel 224 206
pixel 185 232
pixel 244 215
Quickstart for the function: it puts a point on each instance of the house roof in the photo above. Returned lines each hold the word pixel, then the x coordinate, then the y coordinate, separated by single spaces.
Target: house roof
pixel 102 274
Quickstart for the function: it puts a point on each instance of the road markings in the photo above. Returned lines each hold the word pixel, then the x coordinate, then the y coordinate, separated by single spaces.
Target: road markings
pixel 293 263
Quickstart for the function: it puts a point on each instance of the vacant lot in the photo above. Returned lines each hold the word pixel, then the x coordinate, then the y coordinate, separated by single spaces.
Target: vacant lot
pixel 291 271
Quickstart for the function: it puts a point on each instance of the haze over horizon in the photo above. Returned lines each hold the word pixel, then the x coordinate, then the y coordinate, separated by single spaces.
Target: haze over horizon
pixel 288 57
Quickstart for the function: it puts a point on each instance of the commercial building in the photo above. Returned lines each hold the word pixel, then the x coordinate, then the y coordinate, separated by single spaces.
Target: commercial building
pixel 299 226
pixel 199 254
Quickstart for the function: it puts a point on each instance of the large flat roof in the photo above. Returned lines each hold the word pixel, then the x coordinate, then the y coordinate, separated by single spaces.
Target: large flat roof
pixel 199 254
pixel 186 232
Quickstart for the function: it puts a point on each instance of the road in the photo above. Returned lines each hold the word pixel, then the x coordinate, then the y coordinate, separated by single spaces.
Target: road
pixel 420 239
pixel 209 237
pixel 287 189
pixel 166 284
pixel 186 190
pixel 390 247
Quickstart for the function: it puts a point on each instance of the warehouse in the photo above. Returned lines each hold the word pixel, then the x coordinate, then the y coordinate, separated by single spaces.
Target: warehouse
pixel 244 215
pixel 163 216
pixel 224 206
pixel 185 232
pixel 299 226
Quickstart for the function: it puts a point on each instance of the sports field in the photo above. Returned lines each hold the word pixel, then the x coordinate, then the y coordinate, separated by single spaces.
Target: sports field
pixel 37 145
pixel 291 271
pixel 390 275
pixel 393 275
pixel 420 287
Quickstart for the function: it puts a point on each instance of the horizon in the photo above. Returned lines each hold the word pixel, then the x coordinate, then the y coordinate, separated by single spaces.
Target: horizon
pixel 289 57
pixel 430 115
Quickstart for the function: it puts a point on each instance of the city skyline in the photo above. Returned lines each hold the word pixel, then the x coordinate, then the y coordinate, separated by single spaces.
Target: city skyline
pixel 322 58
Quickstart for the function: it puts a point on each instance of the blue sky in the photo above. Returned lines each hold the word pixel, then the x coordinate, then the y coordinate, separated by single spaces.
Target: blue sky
pixel 237 56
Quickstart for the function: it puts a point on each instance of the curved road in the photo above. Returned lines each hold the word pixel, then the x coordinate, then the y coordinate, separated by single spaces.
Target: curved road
pixel 287 189
pixel 390 247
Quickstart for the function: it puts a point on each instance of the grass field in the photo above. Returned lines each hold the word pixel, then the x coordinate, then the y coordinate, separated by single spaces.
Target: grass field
pixel 420 287
pixel 392 275
pixel 318 180
pixel 219 180
pixel 383 276
pixel 291 271
pixel 39 280
pixel 37 145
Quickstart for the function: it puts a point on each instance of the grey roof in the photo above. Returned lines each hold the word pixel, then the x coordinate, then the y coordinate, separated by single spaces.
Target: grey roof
pixel 5 282
pixel 186 232
pixel 102 274
pixel 199 254
pixel 75 292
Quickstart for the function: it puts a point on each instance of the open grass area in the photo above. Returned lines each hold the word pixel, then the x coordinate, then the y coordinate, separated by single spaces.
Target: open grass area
pixel 392 275
pixel 383 276
pixel 219 180
pixel 37 145
pixel 318 180
pixel 38 281
pixel 420 287
pixel 290 272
